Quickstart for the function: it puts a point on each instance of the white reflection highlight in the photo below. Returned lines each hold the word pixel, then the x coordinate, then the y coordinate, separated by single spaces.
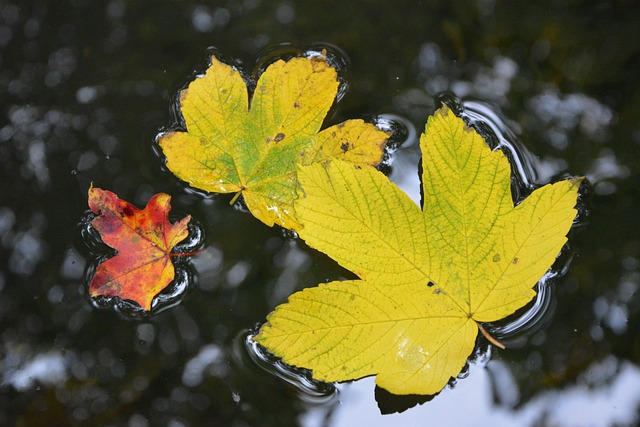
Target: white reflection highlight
pixel 47 368
pixel 607 394
pixel 196 368
pixel 561 114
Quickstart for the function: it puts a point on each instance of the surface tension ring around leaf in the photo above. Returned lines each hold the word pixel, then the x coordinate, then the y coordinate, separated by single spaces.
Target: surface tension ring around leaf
pixel 143 239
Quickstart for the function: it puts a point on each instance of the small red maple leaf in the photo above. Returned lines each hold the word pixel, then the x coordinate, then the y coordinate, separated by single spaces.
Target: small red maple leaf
pixel 143 240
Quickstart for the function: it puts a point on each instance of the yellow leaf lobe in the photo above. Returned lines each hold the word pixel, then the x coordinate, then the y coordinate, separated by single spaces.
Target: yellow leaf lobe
pixel 252 147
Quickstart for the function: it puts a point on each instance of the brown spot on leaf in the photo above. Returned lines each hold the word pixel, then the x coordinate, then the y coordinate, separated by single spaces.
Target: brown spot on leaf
pixel 345 146
pixel 268 139
pixel 296 105
pixel 127 211
pixel 515 261
pixel 279 137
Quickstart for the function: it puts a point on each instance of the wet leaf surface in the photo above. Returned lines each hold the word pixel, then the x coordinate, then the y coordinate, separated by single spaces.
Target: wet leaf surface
pixel 428 278
pixel 229 147
pixel 143 239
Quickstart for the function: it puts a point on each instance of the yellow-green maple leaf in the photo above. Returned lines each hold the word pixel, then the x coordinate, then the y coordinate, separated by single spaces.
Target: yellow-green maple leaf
pixel 429 277
pixel 231 148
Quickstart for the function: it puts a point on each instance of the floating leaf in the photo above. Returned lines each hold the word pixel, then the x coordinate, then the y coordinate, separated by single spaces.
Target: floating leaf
pixel 143 240
pixel 428 278
pixel 229 148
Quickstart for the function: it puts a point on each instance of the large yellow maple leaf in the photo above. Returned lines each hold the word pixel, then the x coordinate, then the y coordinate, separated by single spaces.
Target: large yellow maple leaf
pixel 231 148
pixel 428 278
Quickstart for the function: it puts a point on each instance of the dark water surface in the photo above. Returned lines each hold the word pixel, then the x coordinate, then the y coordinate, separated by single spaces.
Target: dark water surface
pixel 86 85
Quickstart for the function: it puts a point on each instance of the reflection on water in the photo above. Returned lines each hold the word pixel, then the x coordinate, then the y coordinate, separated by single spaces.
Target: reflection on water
pixel 593 401
pixel 612 310
pixel 46 369
pixel 206 362
pixel 559 115
pixel 605 170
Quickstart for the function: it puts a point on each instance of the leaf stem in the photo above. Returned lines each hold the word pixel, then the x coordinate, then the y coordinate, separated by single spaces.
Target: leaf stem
pixel 491 339
pixel 185 254
pixel 235 197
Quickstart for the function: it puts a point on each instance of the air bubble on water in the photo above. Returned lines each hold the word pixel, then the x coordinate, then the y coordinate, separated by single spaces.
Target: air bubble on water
pixel 184 276
pixel 311 390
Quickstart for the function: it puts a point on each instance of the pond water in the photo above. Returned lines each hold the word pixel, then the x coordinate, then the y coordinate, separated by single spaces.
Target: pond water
pixel 85 87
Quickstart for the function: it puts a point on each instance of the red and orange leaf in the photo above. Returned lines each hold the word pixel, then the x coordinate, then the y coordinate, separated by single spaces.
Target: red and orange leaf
pixel 143 240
